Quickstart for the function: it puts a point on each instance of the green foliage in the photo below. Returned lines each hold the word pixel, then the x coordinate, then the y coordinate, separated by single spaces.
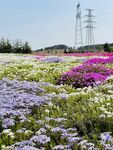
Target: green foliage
pixel 60 46
pixel 26 48
pixel 88 109
pixel 106 47
pixel 5 46
pixel 18 47
pixel 111 49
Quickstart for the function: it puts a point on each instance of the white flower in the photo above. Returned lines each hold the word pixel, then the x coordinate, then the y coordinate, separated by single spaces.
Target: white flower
pixel 50 103
pixel 6 131
pixel 102 116
pixel 28 132
pixel 40 131
pixel 47 111
pixel 3 147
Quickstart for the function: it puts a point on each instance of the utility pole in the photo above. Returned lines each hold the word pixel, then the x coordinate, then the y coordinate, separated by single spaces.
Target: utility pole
pixel 90 41
pixel 78 28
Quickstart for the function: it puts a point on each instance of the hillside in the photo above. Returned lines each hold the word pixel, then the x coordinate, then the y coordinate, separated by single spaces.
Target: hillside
pixel 61 48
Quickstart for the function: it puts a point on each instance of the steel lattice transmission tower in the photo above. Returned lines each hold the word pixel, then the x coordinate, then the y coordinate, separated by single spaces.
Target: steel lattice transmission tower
pixel 78 28
pixel 90 41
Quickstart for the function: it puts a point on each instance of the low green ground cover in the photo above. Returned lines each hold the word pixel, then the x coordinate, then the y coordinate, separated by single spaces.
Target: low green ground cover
pixel 37 113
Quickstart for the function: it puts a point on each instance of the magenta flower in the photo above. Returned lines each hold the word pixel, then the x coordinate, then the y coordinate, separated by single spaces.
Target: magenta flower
pixel 108 60
pixel 85 75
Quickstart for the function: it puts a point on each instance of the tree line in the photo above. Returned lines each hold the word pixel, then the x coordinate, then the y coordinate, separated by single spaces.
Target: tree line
pixel 16 47
pixel 55 47
pixel 107 47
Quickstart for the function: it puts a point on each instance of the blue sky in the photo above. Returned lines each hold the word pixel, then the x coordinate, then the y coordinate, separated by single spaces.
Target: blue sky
pixel 48 22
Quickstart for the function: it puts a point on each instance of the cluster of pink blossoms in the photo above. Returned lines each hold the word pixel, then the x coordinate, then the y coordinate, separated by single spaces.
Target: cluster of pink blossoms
pixel 88 74
pixel 108 60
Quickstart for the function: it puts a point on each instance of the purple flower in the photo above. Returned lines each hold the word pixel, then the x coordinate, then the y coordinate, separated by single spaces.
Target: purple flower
pixel 74 139
pixel 28 148
pixel 41 139
pixel 58 129
pixel 106 137
pixel 52 60
pixel 59 147
pixel 62 147
pixel 8 122
pixel 18 99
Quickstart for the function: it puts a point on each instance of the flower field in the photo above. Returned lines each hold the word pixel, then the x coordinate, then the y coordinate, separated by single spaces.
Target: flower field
pixel 56 102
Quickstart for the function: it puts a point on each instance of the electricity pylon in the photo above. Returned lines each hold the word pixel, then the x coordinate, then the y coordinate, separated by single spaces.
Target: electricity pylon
pixel 78 28
pixel 90 41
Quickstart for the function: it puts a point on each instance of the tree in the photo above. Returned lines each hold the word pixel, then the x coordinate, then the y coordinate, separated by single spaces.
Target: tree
pixel 106 47
pixel 8 48
pixel 5 46
pixel 2 45
pixel 18 47
pixel 26 48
